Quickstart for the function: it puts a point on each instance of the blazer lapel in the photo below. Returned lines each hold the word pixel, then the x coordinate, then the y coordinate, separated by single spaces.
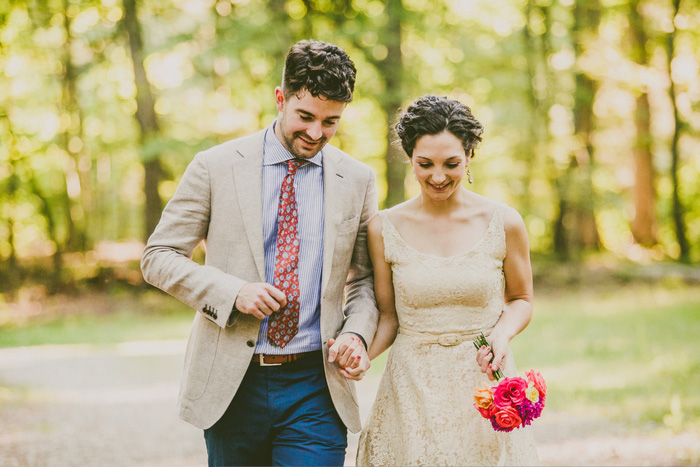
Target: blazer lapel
pixel 332 179
pixel 247 176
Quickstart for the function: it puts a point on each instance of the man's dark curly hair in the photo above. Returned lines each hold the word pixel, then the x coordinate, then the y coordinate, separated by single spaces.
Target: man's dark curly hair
pixel 431 115
pixel 321 68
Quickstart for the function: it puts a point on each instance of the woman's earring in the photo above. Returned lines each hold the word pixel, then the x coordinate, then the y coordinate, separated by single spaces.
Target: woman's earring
pixel 470 179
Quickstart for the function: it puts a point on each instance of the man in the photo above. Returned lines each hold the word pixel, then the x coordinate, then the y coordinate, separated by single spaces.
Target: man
pixel 285 301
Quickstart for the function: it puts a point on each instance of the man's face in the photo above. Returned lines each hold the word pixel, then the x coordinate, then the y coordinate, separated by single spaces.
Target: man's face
pixel 306 123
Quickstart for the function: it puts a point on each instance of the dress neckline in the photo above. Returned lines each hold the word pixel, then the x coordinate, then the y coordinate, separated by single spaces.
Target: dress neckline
pixel 385 217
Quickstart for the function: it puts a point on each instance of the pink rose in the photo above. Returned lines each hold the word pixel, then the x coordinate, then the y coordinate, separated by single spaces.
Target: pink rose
pixel 508 418
pixel 510 392
pixel 538 381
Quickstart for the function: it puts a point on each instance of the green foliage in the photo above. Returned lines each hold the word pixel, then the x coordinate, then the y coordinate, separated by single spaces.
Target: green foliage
pixel 71 161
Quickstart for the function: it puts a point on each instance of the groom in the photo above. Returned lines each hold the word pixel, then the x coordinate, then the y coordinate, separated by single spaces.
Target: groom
pixel 285 302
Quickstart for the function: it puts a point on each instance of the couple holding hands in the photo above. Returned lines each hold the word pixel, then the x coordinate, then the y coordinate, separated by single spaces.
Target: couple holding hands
pixel 305 282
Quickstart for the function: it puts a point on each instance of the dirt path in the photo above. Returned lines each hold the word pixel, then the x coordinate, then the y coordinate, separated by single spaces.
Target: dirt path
pixel 115 406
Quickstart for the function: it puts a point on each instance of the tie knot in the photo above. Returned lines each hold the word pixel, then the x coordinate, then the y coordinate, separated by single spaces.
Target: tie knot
pixel 293 165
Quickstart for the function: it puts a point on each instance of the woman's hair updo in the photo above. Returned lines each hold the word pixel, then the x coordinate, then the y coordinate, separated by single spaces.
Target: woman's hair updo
pixel 431 115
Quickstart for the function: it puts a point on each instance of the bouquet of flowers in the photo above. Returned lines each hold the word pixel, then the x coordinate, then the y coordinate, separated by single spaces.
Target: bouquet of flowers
pixel 514 402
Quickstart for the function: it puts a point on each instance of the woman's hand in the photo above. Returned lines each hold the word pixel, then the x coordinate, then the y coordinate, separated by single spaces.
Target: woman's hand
pixel 350 355
pixel 497 352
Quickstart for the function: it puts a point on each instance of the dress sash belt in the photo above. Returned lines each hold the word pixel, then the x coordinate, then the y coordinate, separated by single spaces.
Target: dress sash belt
pixel 448 339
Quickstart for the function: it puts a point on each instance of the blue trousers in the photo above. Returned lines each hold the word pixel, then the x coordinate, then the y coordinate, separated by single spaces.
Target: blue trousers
pixel 281 415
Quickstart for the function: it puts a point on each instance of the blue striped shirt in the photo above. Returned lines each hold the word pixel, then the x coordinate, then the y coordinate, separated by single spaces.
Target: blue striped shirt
pixel 308 183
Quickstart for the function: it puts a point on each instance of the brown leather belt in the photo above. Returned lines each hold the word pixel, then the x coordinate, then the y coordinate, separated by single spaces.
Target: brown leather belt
pixel 274 360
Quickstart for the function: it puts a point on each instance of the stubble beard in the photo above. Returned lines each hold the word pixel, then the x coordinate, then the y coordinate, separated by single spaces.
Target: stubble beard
pixel 289 141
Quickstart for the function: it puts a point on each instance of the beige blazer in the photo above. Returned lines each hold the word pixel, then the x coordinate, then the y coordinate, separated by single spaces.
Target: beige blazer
pixel 219 201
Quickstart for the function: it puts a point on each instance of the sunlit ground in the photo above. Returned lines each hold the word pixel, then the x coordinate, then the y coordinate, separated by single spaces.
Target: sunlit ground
pixel 623 355
pixel 630 354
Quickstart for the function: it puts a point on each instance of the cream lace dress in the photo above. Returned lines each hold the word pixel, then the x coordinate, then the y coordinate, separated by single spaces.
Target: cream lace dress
pixel 424 413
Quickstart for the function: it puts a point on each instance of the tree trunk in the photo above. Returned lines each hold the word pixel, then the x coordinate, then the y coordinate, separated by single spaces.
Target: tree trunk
pixel 15 273
pixel 584 231
pixel 392 70
pixel 534 134
pixel 643 224
pixel 13 186
pixel 560 237
pixel 77 197
pixel 539 137
pixel 47 213
pixel 146 117
pixel 677 203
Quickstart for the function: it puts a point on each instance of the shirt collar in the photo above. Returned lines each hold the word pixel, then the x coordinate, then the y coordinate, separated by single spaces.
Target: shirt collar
pixel 274 151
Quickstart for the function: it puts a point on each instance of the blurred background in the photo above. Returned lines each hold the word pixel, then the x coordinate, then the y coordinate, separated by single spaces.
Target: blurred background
pixel 591 111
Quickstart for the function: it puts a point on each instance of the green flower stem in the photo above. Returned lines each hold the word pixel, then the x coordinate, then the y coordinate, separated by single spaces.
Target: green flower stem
pixel 478 343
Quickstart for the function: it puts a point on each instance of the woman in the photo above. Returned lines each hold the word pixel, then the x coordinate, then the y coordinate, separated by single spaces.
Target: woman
pixel 448 264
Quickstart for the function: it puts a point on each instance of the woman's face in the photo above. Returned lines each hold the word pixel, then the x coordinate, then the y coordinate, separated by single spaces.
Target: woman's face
pixel 439 162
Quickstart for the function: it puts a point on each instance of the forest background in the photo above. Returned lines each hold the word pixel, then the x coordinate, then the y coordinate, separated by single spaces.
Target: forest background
pixel 591 111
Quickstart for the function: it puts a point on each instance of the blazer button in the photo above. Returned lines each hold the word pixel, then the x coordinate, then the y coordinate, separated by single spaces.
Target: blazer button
pixel 250 344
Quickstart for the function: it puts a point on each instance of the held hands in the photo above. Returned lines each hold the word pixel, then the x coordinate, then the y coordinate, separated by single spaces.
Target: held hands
pixel 499 346
pixel 259 299
pixel 350 354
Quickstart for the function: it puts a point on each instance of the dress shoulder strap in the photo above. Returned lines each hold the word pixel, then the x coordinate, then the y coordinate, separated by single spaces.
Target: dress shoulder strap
pixel 498 214
pixel 391 238
pixel 498 229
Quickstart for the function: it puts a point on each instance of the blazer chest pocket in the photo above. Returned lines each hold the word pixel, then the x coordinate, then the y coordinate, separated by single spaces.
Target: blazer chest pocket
pixel 348 225
pixel 345 235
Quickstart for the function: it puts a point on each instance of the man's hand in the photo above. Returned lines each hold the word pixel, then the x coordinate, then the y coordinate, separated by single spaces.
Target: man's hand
pixel 350 355
pixel 259 299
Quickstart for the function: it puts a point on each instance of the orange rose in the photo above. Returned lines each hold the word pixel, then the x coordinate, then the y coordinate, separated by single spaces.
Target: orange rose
pixel 538 381
pixel 483 396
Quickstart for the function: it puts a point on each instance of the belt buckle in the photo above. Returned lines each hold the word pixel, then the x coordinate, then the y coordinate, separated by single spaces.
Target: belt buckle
pixel 448 340
pixel 261 360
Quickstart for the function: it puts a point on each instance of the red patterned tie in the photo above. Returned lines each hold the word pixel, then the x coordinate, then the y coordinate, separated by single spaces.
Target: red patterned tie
pixel 284 323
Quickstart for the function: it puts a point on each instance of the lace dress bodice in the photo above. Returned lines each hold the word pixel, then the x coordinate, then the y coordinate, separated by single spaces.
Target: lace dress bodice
pixel 462 293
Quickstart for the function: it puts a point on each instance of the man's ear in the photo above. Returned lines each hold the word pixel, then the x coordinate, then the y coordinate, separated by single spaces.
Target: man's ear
pixel 279 98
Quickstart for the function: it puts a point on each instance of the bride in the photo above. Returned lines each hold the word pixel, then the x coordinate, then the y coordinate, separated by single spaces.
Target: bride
pixel 448 264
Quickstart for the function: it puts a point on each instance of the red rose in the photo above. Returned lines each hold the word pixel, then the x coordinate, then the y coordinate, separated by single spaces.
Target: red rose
pixel 508 417
pixel 486 413
pixel 510 392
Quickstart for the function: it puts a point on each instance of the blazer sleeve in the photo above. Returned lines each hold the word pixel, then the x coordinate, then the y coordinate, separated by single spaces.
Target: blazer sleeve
pixel 360 309
pixel 167 258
